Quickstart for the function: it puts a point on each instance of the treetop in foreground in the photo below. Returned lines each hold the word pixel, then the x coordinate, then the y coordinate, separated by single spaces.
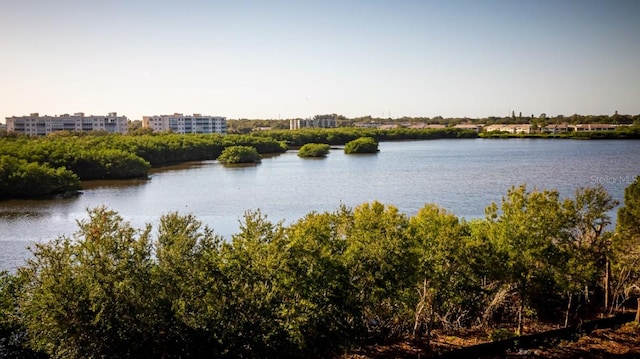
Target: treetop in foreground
pixel 326 282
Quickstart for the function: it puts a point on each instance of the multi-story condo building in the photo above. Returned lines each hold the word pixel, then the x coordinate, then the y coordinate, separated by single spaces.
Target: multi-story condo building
pixel 318 121
pixel 36 125
pixel 180 123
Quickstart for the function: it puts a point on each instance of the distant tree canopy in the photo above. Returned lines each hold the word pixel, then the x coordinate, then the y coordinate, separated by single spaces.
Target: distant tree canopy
pixel 246 125
pixel 326 282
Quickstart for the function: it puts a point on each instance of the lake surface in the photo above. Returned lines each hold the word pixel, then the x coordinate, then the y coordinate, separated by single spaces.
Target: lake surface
pixel 463 175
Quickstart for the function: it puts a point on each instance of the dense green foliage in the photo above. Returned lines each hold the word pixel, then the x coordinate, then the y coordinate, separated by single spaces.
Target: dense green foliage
pixel 95 156
pixel 19 178
pixel 239 154
pixel 314 150
pixel 362 145
pixel 321 284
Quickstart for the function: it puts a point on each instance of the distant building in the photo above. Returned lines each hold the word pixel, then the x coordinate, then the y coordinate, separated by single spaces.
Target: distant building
pixel 523 129
pixel 180 123
pixel 420 126
pixel 470 127
pixel 370 124
pixel 318 121
pixel 552 128
pixel 496 128
pixel 592 127
pixel 261 128
pixel 36 125
pixel 556 128
pixel 520 128
pixel 3 127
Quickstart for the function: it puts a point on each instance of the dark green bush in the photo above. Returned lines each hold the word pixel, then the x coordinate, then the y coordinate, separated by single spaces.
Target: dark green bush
pixel 19 178
pixel 239 154
pixel 362 145
pixel 314 150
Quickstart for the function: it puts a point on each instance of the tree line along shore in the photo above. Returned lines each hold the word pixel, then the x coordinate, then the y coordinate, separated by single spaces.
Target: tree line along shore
pixel 57 163
pixel 326 283
pixel 244 125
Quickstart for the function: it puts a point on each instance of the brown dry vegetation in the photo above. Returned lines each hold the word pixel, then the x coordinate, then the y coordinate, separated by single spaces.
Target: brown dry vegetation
pixel 623 342
pixel 441 342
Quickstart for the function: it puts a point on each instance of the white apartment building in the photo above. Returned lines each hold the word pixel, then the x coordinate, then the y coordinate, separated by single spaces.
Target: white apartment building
pixel 36 125
pixel 180 123
pixel 518 128
pixel 318 121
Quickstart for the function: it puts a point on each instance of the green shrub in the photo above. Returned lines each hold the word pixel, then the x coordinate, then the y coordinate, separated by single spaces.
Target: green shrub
pixel 93 296
pixel 19 178
pixel 362 145
pixel 314 150
pixel 109 163
pixel 239 154
pixel 501 334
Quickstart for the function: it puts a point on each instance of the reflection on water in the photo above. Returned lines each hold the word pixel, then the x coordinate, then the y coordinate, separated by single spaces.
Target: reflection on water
pixel 232 166
pixel 13 215
pixel 95 184
pixel 463 176
pixel 180 166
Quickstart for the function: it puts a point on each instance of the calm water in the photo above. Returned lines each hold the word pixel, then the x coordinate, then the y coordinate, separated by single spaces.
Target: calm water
pixel 463 176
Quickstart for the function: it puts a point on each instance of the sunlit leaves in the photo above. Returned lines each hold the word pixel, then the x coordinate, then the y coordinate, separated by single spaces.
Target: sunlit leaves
pixel 444 278
pixel 525 229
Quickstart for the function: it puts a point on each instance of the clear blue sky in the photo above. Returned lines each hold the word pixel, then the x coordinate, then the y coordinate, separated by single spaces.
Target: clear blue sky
pixel 284 59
